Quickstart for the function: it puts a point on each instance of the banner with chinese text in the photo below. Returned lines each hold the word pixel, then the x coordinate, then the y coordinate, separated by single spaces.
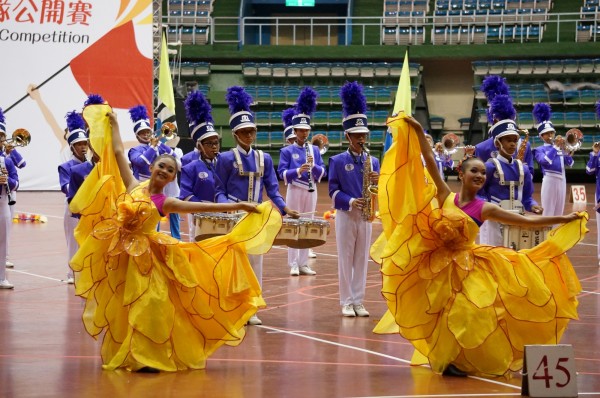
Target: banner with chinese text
pixel 69 49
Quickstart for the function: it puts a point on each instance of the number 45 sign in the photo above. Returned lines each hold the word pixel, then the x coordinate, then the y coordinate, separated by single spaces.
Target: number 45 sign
pixel 549 371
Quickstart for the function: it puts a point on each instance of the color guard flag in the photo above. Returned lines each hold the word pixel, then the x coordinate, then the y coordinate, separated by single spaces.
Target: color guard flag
pixel 165 111
pixel 402 102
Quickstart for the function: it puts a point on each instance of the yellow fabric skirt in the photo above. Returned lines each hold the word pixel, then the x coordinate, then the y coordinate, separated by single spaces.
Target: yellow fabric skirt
pixel 156 301
pixel 457 302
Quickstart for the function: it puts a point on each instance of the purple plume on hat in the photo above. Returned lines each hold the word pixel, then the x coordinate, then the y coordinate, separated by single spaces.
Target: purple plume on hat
pixel 287 115
pixel 307 101
pixel 598 110
pixel 197 108
pixel 75 121
pixel 94 99
pixel 542 112
pixel 238 99
pixel 353 99
pixel 501 107
pixel 138 113
pixel 2 118
pixel 494 85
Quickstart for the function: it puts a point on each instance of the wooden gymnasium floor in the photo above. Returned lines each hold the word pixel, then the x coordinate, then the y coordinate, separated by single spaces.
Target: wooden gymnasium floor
pixel 305 348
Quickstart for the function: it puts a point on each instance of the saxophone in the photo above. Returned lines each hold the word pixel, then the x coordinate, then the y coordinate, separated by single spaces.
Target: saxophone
pixel 523 146
pixel 369 191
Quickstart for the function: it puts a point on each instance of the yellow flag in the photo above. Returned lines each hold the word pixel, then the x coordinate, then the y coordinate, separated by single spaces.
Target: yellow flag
pixel 166 98
pixel 403 95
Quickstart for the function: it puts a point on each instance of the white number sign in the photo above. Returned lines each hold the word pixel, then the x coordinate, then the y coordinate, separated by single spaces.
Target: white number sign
pixel 549 371
pixel 579 197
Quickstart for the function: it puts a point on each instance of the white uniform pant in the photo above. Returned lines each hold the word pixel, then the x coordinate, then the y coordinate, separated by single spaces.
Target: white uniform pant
pixel 490 234
pixel 256 262
pixel 5 224
pixel 69 224
pixel 300 199
pixel 353 240
pixel 554 190
pixel 13 196
pixel 191 227
pixel 598 230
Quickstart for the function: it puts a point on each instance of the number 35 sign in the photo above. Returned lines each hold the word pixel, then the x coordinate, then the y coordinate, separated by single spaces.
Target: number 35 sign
pixel 549 371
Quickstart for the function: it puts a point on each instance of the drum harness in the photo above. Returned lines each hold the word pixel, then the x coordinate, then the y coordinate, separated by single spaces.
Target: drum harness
pixel 260 163
pixel 512 204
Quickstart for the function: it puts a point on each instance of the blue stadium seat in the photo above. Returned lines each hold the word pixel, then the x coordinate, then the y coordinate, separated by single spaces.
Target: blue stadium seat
pixel 588 119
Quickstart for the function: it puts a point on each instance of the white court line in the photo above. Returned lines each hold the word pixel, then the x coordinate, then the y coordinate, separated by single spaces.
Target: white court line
pixel 384 356
pixel 585 291
pixel 37 275
pixel 445 395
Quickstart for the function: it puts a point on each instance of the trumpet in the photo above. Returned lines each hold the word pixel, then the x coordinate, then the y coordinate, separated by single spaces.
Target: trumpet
pixel 168 131
pixel 573 140
pixel 321 141
pixel 449 144
pixel 19 138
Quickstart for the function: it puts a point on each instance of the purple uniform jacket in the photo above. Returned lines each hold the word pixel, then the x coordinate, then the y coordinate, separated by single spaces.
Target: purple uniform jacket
pixel 17 159
pixel 64 174
pixel 142 156
pixel 551 160
pixel 592 169
pixel 292 157
pixel 198 182
pixel 493 192
pixel 13 176
pixel 78 174
pixel 190 157
pixel 346 178
pixel 232 187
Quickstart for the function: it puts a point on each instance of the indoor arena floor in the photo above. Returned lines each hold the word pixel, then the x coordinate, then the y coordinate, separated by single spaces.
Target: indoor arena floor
pixel 305 348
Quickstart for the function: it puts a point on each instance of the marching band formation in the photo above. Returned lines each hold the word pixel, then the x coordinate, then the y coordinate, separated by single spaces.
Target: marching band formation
pixel 211 181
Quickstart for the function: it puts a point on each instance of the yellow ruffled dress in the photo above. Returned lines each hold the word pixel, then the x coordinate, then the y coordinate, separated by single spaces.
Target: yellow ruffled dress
pixel 474 306
pixel 160 303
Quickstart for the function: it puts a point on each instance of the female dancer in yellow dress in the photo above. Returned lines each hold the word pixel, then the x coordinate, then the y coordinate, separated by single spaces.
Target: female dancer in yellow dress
pixel 161 303
pixel 466 308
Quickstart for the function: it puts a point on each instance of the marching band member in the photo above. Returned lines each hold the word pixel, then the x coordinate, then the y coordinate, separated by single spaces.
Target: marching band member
pixel 443 159
pixel 78 142
pixel 198 176
pixel 300 168
pixel 505 175
pixel 244 172
pixel 288 129
pixel 552 160
pixel 142 156
pixel 593 168
pixel 493 86
pixel 346 189
pixel 9 182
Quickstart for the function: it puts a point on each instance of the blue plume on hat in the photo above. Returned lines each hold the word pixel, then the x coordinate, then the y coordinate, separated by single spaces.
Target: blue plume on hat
pixel 494 85
pixel 138 113
pixel 94 99
pixel 75 121
pixel 307 101
pixel 542 112
pixel 353 99
pixel 238 99
pixel 2 122
pixel 287 115
pixel 197 108
pixel 501 107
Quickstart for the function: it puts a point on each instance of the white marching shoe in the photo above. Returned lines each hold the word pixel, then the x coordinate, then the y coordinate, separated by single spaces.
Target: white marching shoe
pixel 254 320
pixel 311 254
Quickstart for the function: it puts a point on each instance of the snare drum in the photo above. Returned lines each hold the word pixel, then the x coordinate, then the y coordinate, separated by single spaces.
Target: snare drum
pixel 288 234
pixel 518 238
pixel 214 224
pixel 312 233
